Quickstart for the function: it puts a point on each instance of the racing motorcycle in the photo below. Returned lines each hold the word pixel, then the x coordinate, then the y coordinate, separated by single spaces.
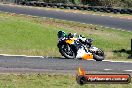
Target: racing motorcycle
pixel 72 48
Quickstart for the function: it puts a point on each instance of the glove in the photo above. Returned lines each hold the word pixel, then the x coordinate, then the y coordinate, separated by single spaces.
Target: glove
pixel 83 39
pixel 89 41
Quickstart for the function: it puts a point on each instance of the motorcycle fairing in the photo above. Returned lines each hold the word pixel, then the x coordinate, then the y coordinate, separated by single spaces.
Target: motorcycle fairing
pixel 87 56
pixel 70 41
pixel 81 53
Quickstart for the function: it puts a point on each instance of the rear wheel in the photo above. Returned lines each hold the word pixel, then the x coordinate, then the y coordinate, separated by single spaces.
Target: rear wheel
pixel 67 51
pixel 99 55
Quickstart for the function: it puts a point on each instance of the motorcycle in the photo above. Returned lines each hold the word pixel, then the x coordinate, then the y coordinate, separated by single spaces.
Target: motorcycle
pixel 72 48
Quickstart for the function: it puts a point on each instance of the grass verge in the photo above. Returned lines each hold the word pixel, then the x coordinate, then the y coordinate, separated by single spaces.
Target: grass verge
pixel 37 36
pixel 50 81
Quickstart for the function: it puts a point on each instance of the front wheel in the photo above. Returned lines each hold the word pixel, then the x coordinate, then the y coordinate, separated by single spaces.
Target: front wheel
pixel 67 51
pixel 99 55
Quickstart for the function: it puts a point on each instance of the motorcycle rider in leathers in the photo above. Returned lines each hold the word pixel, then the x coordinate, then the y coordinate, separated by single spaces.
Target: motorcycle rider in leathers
pixel 62 36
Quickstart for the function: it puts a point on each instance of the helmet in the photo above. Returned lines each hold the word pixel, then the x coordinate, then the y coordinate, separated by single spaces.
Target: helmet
pixel 61 34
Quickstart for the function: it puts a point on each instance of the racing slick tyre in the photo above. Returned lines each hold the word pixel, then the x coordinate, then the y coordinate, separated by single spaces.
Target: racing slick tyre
pixel 67 51
pixel 99 55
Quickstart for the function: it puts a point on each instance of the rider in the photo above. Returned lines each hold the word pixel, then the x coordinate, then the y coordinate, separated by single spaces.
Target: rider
pixel 62 35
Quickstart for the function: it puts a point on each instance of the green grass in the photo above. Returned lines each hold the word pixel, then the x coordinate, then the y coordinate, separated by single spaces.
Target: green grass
pixel 50 81
pixel 38 36
pixel 19 36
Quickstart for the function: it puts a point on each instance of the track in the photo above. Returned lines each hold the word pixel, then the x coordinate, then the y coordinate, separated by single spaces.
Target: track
pixel 83 18
pixel 60 65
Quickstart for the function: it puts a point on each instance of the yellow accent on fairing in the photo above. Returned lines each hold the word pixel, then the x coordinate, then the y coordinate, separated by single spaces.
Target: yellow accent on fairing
pixel 70 41
pixel 88 56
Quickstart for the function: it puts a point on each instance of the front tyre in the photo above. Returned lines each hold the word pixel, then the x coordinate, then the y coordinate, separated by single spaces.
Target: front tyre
pixel 99 55
pixel 67 51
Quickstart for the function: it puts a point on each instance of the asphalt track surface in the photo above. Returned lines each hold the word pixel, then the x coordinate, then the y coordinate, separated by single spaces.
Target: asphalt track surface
pixel 61 65
pixel 124 24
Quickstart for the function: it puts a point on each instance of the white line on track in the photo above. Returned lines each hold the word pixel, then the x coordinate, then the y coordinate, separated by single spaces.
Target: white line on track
pixel 53 57
pixel 121 61
pixel 20 55
pixel 10 55
pixel 128 70
pixel 35 56
pixel 107 60
pixel 118 61
pixel 107 69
